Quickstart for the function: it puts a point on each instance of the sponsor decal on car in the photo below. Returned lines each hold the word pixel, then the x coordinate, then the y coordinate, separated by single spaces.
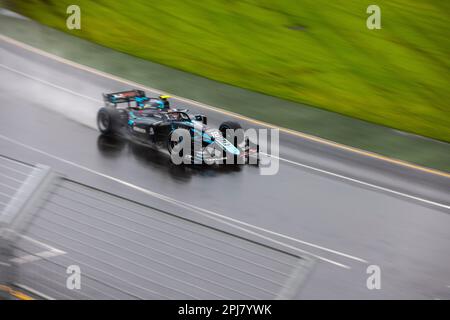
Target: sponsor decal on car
pixel 140 130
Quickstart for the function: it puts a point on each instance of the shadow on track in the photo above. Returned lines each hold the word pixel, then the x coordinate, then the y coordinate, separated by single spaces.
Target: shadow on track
pixel 154 159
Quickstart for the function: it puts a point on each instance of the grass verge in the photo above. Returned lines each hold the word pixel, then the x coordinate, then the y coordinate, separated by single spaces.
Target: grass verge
pixel 316 52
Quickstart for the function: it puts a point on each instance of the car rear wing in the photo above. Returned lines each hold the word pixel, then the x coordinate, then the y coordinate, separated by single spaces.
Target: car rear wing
pixel 123 96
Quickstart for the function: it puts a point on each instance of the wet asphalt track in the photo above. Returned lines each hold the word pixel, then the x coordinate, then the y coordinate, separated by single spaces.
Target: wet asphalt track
pixel 348 223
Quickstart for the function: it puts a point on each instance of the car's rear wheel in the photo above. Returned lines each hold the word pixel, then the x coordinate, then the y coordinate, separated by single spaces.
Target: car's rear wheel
pixel 108 120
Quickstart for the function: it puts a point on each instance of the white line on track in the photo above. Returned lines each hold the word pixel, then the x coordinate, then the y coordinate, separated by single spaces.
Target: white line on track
pixel 37 256
pixel 49 253
pixel 33 291
pixel 208 213
pixel 374 186
pixel 48 83
pixel 39 243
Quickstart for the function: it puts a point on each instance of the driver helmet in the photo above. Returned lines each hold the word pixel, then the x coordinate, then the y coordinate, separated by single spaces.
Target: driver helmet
pixel 164 100
pixel 158 104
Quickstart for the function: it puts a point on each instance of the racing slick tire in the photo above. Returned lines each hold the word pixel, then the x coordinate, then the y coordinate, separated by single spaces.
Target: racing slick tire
pixel 234 126
pixel 109 120
pixel 248 145
pixel 229 125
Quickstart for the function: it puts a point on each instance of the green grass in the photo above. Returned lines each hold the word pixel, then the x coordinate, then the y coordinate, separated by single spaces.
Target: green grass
pixel 398 76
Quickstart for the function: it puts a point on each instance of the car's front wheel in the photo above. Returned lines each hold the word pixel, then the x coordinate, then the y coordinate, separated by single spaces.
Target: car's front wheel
pixel 227 128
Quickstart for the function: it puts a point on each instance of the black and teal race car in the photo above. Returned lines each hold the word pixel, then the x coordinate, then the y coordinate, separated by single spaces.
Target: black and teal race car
pixel 152 121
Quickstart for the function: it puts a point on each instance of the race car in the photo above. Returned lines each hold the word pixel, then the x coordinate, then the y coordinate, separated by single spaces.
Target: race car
pixel 152 121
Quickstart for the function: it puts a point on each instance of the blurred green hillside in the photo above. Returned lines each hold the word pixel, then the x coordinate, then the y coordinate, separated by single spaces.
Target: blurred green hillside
pixel 317 52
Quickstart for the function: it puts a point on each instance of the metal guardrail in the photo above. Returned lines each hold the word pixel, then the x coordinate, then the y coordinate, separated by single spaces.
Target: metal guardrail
pixel 128 250
pixel 20 184
pixel 12 175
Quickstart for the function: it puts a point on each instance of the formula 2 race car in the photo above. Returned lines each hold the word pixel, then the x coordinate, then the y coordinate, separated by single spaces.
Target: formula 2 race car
pixel 152 121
